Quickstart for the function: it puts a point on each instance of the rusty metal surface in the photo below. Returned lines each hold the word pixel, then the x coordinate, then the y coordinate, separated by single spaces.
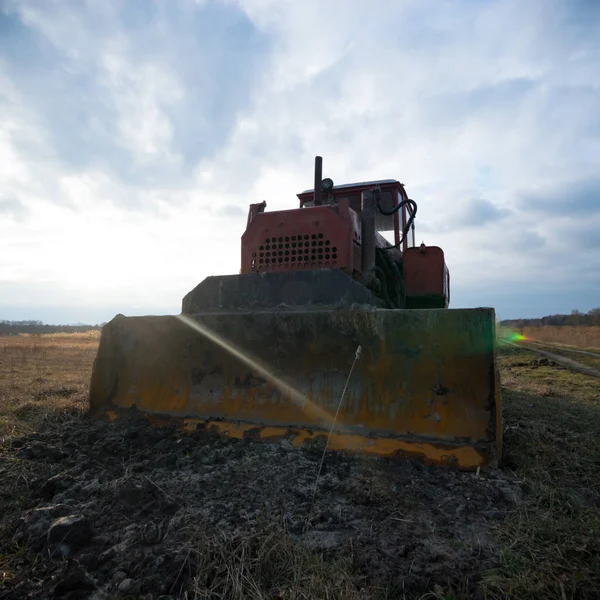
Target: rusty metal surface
pixel 426 382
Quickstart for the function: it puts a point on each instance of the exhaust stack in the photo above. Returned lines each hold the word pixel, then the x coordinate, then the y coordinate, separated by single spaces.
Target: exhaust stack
pixel 318 180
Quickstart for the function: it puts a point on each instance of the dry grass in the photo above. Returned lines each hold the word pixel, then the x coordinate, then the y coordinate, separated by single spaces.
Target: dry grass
pixel 42 375
pixel 73 338
pixel 267 565
pixel 587 337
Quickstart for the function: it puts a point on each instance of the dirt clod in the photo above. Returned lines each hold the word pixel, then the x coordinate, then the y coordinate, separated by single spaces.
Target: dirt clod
pixel 69 533
pixel 125 585
pixel 74 582
pixel 32 527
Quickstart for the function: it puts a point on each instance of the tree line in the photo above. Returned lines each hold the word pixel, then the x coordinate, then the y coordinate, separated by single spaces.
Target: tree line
pixel 576 318
pixel 38 327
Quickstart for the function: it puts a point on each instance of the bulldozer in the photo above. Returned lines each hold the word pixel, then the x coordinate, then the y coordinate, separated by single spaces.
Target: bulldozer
pixel 333 287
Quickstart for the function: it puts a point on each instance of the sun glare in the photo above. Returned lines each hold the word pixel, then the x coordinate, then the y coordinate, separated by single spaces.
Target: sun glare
pixel 510 337
pixel 286 389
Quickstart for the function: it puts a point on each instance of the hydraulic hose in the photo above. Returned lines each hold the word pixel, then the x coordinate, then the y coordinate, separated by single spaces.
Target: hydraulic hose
pixel 405 201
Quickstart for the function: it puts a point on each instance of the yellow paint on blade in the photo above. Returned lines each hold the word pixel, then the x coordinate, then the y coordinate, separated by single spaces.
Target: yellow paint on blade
pixel 466 456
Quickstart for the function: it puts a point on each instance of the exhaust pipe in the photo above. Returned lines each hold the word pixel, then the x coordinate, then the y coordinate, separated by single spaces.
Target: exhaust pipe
pixel 318 180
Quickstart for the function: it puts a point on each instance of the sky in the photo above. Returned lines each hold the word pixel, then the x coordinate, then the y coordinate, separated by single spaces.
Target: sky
pixel 135 133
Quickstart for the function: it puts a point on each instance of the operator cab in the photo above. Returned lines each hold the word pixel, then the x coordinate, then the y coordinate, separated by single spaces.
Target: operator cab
pixel 391 196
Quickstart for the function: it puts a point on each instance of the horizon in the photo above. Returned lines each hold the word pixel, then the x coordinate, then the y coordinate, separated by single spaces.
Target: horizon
pixel 101 323
pixel 134 136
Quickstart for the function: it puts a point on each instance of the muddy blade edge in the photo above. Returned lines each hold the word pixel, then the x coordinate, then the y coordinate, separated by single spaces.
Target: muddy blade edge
pixel 426 383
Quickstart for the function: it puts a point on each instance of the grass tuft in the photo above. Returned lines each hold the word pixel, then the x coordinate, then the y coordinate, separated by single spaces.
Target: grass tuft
pixel 268 565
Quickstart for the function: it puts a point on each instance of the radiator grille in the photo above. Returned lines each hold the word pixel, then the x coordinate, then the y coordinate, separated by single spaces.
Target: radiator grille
pixel 303 251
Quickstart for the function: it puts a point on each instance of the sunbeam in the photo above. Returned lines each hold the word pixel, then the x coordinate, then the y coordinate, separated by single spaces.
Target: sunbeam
pixel 286 389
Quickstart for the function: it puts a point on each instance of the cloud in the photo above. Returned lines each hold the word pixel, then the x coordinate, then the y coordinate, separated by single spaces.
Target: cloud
pixel 470 213
pixel 577 198
pixel 111 88
pixel 230 210
pixel 12 208
pixel 478 212
pixel 134 135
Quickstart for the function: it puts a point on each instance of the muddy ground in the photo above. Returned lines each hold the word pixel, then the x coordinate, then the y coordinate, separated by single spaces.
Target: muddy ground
pixel 130 510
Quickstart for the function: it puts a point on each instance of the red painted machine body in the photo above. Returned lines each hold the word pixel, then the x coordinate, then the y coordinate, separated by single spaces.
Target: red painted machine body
pixel 321 237
pixel 426 275
pixel 329 236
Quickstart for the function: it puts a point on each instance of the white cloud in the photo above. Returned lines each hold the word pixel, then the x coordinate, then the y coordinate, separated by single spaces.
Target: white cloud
pixel 142 90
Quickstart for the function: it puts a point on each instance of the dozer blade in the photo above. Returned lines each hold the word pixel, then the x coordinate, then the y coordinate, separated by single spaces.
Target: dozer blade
pixel 425 384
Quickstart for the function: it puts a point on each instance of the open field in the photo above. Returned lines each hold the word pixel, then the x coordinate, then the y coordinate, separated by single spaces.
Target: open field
pixel 166 515
pixel 43 375
pixel 586 337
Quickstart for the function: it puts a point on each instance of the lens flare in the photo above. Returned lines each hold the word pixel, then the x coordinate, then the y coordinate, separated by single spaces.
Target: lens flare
pixel 510 337
pixel 296 396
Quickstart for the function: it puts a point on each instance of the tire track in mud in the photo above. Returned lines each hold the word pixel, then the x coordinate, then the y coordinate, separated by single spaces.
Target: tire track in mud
pixel 561 360
pixel 574 350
